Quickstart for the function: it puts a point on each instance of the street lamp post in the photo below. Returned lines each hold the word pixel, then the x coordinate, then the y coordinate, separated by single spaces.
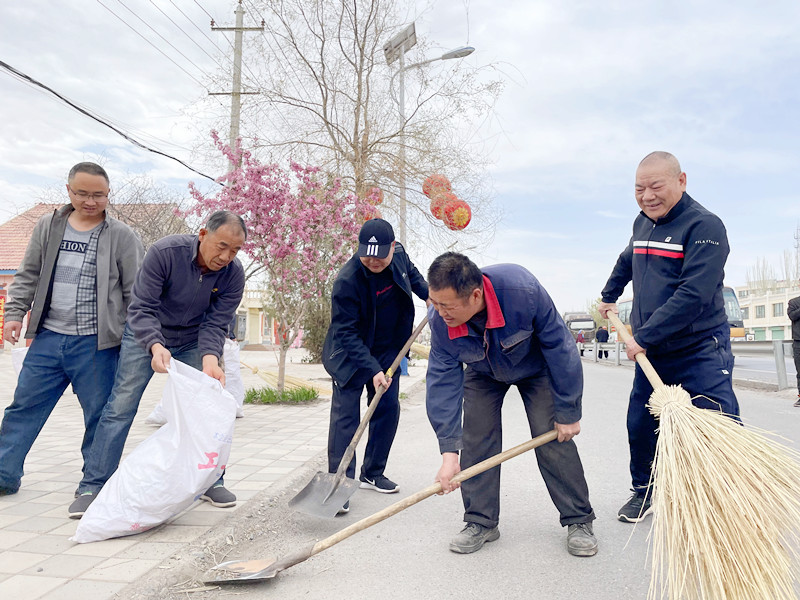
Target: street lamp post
pixel 395 49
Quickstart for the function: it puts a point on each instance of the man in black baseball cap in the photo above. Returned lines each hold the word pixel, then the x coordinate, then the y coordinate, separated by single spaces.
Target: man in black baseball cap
pixel 376 239
pixel 372 315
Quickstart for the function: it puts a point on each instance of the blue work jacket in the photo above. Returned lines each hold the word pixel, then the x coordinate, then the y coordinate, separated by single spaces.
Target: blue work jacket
pixel 524 337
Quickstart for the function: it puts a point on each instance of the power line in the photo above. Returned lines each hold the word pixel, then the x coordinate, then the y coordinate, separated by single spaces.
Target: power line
pixel 191 39
pixel 151 43
pixel 146 24
pixel 28 79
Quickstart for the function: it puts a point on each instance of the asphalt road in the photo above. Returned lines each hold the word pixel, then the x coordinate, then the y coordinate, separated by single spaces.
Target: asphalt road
pixel 407 557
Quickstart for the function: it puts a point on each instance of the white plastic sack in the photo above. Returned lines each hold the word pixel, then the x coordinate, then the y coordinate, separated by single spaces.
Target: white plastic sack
pixel 233 384
pixel 174 466
pixel 233 374
pixel 18 357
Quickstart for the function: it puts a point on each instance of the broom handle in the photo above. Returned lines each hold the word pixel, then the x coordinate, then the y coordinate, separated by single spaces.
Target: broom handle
pixel 435 488
pixel 351 448
pixel 648 369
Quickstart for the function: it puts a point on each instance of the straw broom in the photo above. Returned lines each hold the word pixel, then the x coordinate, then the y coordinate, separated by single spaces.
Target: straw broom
pixel 726 503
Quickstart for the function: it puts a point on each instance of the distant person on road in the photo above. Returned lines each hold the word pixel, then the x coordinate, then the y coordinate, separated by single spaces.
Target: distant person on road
pixel 580 340
pixel 372 316
pixel 76 279
pixel 794 314
pixel 501 323
pixel 676 259
pixel 602 337
pixel 184 299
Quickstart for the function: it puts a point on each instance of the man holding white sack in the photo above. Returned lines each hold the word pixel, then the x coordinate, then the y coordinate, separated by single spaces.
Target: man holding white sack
pixel 183 300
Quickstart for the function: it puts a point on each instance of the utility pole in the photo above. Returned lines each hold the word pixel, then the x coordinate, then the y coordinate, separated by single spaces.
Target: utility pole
pixel 236 90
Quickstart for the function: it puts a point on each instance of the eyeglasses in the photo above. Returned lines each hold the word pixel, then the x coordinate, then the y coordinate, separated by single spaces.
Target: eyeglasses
pixel 83 195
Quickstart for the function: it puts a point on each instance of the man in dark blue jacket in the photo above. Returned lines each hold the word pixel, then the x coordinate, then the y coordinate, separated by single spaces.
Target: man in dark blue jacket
pixel 503 325
pixel 183 300
pixel 372 316
pixel 676 259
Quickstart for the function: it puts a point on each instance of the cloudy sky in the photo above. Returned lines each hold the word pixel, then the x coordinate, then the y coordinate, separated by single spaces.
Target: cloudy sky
pixel 591 87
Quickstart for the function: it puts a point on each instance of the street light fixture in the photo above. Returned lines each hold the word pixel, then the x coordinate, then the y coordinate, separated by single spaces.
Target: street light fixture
pixel 393 50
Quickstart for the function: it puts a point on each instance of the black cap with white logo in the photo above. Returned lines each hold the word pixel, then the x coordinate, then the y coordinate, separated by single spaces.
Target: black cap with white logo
pixel 375 239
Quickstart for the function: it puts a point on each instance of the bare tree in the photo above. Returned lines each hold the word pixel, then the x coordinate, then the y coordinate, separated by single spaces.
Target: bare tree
pixel 761 276
pixel 327 97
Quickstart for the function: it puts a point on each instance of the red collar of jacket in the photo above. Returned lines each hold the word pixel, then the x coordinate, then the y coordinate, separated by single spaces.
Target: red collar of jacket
pixel 494 316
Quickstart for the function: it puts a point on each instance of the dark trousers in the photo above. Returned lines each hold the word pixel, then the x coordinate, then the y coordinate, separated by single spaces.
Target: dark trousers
pixel 796 353
pixel 704 369
pixel 346 415
pixel 559 463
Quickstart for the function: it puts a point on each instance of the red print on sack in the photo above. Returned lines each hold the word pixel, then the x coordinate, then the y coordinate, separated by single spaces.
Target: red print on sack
pixel 210 464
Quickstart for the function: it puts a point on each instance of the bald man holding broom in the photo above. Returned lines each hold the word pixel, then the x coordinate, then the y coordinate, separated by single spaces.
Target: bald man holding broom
pixel 676 259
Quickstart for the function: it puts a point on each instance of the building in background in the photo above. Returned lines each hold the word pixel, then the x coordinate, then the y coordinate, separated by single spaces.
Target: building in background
pixel 764 309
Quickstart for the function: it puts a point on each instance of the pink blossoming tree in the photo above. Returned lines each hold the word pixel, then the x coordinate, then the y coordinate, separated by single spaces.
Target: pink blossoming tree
pixel 302 226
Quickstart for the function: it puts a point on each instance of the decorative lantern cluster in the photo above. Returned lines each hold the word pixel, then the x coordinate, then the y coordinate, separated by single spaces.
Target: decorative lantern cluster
pixel 374 197
pixel 445 205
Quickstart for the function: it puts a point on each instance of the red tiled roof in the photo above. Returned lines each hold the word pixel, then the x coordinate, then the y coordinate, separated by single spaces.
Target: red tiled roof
pixel 16 233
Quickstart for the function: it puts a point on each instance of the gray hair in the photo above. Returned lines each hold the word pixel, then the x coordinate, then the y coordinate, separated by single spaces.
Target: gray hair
pixel 89 168
pixel 225 217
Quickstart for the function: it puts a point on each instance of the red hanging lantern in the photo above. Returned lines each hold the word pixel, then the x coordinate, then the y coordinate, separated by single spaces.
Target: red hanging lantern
pixel 434 184
pixel 457 215
pixel 439 201
pixel 375 196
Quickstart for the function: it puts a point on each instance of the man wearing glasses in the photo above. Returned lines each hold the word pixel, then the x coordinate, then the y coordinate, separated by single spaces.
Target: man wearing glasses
pixel 76 279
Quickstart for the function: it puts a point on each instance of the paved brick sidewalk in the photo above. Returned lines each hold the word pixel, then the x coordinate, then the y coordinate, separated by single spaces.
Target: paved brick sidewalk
pixel 37 560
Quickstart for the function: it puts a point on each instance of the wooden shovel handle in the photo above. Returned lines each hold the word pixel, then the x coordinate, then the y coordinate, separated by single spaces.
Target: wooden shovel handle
pixel 403 504
pixel 351 448
pixel 648 369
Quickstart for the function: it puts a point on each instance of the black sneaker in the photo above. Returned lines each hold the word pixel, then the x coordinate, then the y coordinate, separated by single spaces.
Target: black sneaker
pixel 637 508
pixel 218 496
pixel 345 509
pixel 381 484
pixel 797 402
pixel 473 537
pixel 80 504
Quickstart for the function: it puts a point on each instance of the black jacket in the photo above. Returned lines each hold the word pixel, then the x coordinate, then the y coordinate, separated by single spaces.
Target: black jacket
pixel 351 334
pixel 677 266
pixel 601 335
pixel 794 314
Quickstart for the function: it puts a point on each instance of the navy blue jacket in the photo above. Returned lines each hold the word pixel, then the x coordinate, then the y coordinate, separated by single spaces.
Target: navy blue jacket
pixel 677 266
pixel 524 337
pixel 351 334
pixel 173 302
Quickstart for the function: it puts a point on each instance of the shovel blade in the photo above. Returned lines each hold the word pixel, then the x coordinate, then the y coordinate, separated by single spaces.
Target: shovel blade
pixel 321 498
pixel 243 571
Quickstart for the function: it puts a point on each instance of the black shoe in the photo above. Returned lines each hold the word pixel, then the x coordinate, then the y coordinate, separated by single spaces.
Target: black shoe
pixel 797 402
pixel 637 508
pixel 80 504
pixel 473 537
pixel 381 484
pixel 345 509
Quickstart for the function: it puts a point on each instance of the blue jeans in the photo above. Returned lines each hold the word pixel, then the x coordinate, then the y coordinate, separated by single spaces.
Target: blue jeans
pixel 54 360
pixel 705 368
pixel 133 375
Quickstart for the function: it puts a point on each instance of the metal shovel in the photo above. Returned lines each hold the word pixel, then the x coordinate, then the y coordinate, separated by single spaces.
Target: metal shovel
pixel 247 571
pixel 326 493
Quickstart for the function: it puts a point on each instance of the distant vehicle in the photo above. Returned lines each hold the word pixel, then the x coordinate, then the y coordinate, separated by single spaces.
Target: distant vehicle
pixel 580 321
pixel 731 309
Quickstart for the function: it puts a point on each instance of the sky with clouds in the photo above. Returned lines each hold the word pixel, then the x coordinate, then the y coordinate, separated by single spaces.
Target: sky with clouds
pixel 590 89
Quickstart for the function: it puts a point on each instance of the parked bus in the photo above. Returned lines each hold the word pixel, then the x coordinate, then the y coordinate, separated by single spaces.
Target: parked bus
pixel 731 309
pixel 580 321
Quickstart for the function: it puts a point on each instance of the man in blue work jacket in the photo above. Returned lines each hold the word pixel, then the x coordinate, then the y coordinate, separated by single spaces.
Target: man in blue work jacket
pixel 502 324
pixel 676 260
